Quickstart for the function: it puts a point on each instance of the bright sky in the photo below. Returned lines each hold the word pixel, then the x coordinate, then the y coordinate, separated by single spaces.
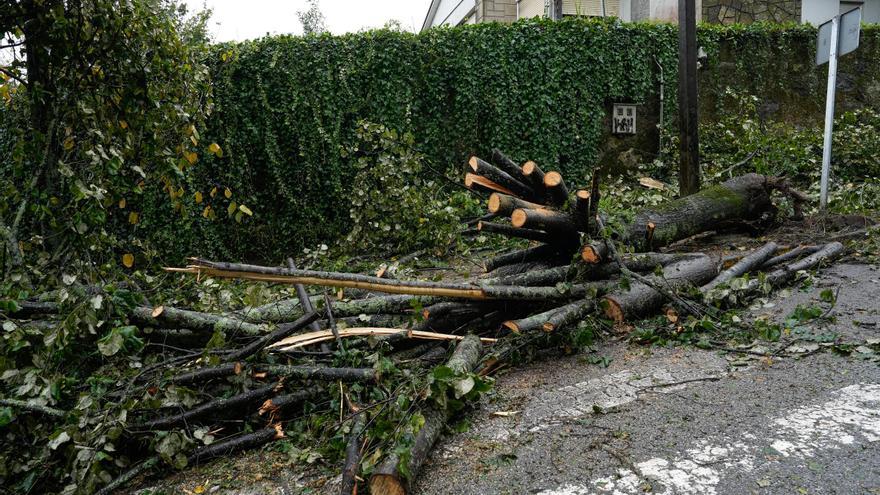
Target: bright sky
pixel 248 19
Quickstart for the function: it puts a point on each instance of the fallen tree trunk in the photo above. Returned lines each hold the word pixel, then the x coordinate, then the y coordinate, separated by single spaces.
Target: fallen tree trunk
pixel 387 478
pixel 503 204
pixel 352 455
pixel 508 165
pixel 557 192
pixel 746 197
pixel 642 299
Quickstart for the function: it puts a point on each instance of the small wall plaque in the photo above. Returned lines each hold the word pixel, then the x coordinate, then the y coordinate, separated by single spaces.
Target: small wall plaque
pixel 623 119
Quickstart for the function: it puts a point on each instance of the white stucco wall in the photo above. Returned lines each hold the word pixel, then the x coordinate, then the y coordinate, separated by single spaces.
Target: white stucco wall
pixel 816 12
pixel 871 11
pixel 531 8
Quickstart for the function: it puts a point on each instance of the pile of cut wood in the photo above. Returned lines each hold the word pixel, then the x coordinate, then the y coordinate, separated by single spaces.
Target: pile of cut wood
pixel 576 267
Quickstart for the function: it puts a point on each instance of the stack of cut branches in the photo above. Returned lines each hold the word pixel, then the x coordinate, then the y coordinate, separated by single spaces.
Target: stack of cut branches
pixel 576 267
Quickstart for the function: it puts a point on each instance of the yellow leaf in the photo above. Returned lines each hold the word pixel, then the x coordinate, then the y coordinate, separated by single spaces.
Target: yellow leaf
pixel 128 260
pixel 123 124
pixel 214 148
pixel 198 490
pixel 198 197
pixel 232 207
pixel 244 209
pixel 195 141
pixel 227 193
pixel 207 212
pixel 133 218
pixel 191 157
pixel 213 192
pixel 68 144
pixel 122 203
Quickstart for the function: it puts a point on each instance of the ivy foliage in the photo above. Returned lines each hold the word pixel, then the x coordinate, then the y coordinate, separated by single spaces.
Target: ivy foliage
pixel 104 101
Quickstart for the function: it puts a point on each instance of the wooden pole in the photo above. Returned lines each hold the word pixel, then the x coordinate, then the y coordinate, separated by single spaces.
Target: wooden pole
pixel 689 161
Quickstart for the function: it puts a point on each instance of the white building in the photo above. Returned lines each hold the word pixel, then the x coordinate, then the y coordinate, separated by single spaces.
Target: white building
pixel 455 12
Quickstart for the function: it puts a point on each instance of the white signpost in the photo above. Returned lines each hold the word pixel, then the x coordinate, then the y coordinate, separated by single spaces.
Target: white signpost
pixel 837 37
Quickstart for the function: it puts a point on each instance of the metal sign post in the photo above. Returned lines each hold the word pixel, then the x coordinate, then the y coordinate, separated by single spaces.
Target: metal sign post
pixel 837 37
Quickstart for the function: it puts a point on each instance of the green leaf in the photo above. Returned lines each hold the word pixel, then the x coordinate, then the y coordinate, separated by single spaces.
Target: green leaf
pixel 111 343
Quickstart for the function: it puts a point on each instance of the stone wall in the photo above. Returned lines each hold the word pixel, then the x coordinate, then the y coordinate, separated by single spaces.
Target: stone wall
pixel 747 11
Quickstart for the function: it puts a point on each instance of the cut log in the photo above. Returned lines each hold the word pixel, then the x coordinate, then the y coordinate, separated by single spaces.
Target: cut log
pixel 509 166
pixel 745 197
pixel 500 177
pixel 504 204
pixel 554 222
pixel 479 183
pixel 557 192
pixel 533 323
pixel 322 373
pixel 594 202
pixel 642 299
pixel 594 252
pixel 387 478
pixel 569 314
pixel 209 373
pixel 582 210
pixel 535 177
pixel 743 266
pixel 507 230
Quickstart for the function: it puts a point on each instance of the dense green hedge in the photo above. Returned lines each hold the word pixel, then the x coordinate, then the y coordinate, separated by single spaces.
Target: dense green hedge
pixel 287 107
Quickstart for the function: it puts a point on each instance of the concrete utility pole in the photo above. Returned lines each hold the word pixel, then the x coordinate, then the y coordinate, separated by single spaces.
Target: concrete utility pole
pixel 689 161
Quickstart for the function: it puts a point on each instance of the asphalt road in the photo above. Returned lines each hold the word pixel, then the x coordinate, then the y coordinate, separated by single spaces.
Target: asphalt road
pixel 688 421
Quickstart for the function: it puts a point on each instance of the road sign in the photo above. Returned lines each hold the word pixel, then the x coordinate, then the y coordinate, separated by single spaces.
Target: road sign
pixel 837 37
pixel 848 39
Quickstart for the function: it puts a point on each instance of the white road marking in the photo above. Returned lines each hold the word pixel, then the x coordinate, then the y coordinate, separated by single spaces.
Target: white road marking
pixel 850 418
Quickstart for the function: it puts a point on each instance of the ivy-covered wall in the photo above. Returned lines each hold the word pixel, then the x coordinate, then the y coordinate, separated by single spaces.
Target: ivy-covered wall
pixel 286 108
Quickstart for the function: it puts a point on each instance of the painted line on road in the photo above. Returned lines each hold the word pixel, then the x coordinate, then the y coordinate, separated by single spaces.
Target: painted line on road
pixel 851 418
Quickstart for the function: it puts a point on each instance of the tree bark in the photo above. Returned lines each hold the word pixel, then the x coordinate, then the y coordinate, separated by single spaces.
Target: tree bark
pixel 544 252
pixel 548 276
pixel 642 299
pixel 569 314
pixel 500 177
pixel 746 197
pixel 790 255
pixel 556 223
pixel 352 455
pixel 504 204
pixel 507 230
pixel 787 272
pixel 508 165
pixel 743 266
pixel 283 331
pixel 237 444
pixel 194 320
pixel 214 408
pixel 386 478
pixel 479 183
